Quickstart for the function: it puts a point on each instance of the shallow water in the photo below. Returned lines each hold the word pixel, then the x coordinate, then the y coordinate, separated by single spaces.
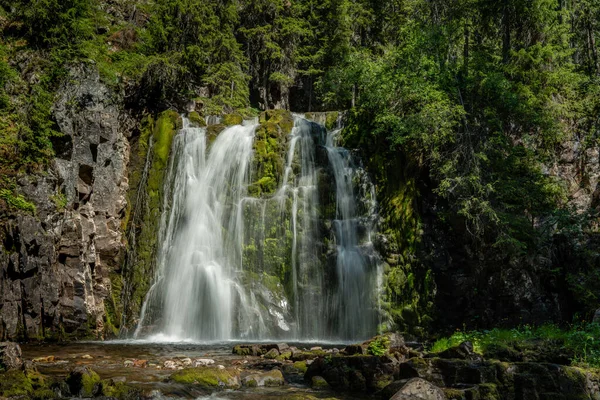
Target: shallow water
pixel 107 359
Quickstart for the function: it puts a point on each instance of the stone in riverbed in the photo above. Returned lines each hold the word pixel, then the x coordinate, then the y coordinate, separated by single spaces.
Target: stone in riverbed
pixel 208 377
pixel 266 379
pixel 201 362
pixel 10 356
pixel 418 388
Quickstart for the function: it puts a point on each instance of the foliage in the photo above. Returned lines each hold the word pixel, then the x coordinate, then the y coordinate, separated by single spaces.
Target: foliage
pixel 379 346
pixel 581 340
pixel 16 201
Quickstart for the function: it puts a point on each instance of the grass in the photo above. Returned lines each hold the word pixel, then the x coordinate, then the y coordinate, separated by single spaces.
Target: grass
pixel 581 340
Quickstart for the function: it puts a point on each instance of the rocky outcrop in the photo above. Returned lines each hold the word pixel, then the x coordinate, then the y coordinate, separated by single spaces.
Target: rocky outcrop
pixel 10 356
pixel 55 265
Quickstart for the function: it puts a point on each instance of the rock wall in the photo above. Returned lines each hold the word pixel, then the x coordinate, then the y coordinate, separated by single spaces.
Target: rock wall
pixel 55 265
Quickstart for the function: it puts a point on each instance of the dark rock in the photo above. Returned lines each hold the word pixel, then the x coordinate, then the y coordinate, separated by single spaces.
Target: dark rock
pixel 84 382
pixel 10 356
pixel 596 318
pixel 353 349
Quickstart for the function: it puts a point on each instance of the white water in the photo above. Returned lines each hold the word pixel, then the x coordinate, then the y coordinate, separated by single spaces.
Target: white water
pixel 216 271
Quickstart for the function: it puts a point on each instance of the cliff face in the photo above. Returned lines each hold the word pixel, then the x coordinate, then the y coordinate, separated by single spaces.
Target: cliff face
pixel 64 271
pixel 55 266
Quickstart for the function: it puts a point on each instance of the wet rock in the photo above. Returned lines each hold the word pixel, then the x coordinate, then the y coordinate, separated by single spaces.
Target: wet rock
pixel 203 362
pixel 84 382
pixel 128 363
pixel 267 379
pixel 87 357
pixel 418 388
pixel 208 377
pixel 10 356
pixel 170 364
pixel 596 318
pixel 353 349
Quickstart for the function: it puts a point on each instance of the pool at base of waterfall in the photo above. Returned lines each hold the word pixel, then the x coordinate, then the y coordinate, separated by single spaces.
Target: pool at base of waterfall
pixel 181 370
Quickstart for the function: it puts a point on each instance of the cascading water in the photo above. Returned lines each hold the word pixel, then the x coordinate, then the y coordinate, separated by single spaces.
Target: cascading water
pixel 234 265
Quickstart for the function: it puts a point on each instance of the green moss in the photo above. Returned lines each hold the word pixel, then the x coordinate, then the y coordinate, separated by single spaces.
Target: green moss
pixel 232 119
pixel 119 390
pixel 17 201
pixel 207 377
pixel 154 145
pixel 301 366
pixel 319 382
pixel 28 384
pixel 196 119
pixel 488 391
pixel 453 394
pixel 88 383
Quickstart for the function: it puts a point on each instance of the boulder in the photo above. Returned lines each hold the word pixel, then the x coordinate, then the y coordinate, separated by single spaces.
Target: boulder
pixel 267 379
pixel 272 354
pixel 418 388
pixel 84 382
pixel 10 356
pixel 596 318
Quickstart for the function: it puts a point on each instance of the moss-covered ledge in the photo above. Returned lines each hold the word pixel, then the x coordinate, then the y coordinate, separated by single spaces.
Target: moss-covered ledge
pixel 150 158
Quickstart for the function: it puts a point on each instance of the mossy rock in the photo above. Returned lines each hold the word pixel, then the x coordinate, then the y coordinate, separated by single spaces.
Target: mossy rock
pixel 232 119
pixel 208 377
pixel 319 383
pixel 454 394
pixel 196 120
pixel 271 378
pixel 83 382
pixel 282 118
pixel 119 390
pixel 213 131
pixel 301 366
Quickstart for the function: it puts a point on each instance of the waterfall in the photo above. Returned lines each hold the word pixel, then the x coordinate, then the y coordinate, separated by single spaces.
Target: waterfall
pixel 236 266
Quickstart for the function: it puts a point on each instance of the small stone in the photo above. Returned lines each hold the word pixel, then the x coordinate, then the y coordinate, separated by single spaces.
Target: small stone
pixel 128 363
pixel 201 362
pixel 140 363
pixel 316 348
pixel 221 366
pixel 87 357
pixel 43 359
